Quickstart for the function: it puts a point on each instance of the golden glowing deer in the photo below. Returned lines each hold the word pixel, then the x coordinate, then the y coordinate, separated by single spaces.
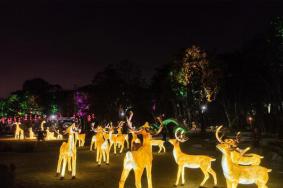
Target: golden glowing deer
pixel 81 139
pixel 93 143
pixel 192 161
pixel 237 174
pixel 49 135
pixel 68 154
pixel 159 143
pixel 31 133
pixel 101 146
pixel 139 160
pixel 239 156
pixel 19 133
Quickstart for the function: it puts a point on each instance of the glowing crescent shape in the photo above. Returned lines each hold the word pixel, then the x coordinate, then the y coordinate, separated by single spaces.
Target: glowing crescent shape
pixel 180 135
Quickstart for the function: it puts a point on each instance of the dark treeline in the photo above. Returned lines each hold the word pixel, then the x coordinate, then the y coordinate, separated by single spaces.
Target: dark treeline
pixel 242 89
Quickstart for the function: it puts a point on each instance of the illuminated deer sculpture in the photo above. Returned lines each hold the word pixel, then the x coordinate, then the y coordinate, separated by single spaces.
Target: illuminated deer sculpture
pixel 31 133
pixel 237 174
pixel 159 143
pixel 81 139
pixel 19 133
pixel 117 140
pixel 240 156
pixel 49 135
pixel 68 154
pixel 139 160
pixel 192 161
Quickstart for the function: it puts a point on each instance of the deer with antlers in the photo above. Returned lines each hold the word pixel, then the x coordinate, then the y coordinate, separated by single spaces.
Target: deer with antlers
pixel 240 156
pixel 117 140
pixel 237 174
pixel 192 161
pixel 102 146
pixel 139 160
pixel 68 154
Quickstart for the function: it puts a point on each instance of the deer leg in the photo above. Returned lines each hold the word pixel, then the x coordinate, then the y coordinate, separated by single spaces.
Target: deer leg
pixel 228 183
pixel 64 167
pixel 183 176
pixel 115 144
pixel 104 157
pixel 211 171
pixel 100 157
pixel 160 148
pixel 74 165
pixel 123 178
pixel 59 164
pixel 107 157
pixel 69 164
pixel 163 147
pixel 178 175
pixel 97 154
pixel 148 175
pixel 91 145
pixel 206 176
pixel 138 175
pixel 127 141
pixel 234 184
pixel 122 147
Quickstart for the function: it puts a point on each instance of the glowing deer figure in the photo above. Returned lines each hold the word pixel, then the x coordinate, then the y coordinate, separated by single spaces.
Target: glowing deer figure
pixel 93 142
pixel 159 143
pixel 239 156
pixel 236 174
pixel 68 154
pixel 19 133
pixel 117 140
pixel 139 160
pixel 119 130
pixel 81 139
pixel 31 133
pixel 192 161
pixel 102 147
pixel 59 136
pixel 49 135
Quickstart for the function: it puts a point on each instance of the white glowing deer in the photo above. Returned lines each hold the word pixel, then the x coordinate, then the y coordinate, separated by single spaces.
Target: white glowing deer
pixel 237 174
pixel 68 154
pixel 192 161
pixel 139 160
pixel 240 156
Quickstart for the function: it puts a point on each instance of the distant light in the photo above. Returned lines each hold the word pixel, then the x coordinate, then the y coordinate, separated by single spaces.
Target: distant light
pixel 122 114
pixel 250 118
pixel 53 117
pixel 203 108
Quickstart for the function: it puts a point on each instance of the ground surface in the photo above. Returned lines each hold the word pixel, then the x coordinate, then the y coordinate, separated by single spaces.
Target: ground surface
pixel 36 168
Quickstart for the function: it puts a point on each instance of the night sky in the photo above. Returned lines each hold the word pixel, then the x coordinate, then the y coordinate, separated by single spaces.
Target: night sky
pixel 67 43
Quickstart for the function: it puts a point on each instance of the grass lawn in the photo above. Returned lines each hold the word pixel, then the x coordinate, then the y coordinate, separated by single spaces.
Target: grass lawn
pixel 37 168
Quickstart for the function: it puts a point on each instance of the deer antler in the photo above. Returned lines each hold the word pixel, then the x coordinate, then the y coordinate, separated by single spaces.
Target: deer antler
pixel 217 134
pixel 180 135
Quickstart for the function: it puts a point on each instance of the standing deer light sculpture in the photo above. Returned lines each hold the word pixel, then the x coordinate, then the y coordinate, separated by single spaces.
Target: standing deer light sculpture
pixel 31 134
pixel 192 161
pixel 159 143
pixel 19 133
pixel 139 160
pixel 68 154
pixel 237 174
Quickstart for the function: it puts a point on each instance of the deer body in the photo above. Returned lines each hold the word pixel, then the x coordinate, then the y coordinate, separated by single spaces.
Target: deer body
pixel 19 133
pixel 236 174
pixel 68 154
pixel 245 159
pixel 138 160
pixel 81 139
pixel 192 161
pixel 159 143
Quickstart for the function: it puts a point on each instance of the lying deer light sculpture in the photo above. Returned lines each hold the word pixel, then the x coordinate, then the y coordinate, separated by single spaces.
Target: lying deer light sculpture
pixel 31 134
pixel 68 154
pixel 236 174
pixel 239 156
